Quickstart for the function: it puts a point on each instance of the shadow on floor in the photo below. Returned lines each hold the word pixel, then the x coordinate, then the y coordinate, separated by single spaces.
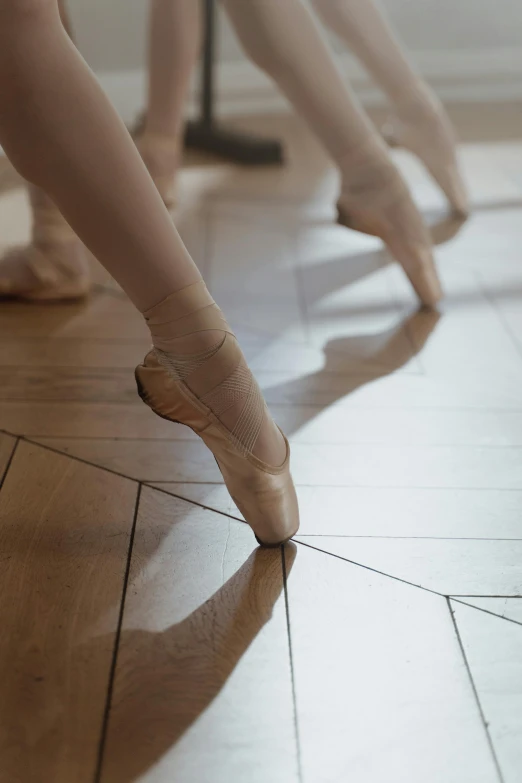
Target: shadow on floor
pixel 166 680
pixel 316 391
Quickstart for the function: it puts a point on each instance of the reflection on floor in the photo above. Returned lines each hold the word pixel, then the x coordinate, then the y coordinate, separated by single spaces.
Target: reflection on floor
pixel 144 635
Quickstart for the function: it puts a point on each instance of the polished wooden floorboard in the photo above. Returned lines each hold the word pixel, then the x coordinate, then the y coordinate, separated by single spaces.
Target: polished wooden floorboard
pixel 64 537
pixel 7 446
pixel 144 636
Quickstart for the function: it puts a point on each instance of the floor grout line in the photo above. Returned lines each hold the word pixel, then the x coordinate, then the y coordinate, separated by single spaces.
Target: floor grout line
pixel 366 486
pixel 177 483
pixel 292 667
pixel 9 461
pixel 407 538
pixel 475 692
pixel 486 611
pixel 369 568
pixel 194 503
pixel 77 459
pixel 483 595
pixel 114 661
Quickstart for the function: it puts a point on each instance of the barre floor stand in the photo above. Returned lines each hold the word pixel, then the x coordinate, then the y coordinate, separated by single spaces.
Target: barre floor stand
pixel 206 133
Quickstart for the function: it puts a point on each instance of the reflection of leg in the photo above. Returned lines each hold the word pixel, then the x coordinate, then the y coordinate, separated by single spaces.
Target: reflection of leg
pixel 53 265
pixel 62 134
pixel 283 40
pixel 174 42
pixel 420 121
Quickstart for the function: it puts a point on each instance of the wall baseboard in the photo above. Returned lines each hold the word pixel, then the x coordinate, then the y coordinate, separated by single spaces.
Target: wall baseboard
pixel 485 75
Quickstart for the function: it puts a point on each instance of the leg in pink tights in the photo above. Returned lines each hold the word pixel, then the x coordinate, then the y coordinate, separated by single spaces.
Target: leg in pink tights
pixel 174 43
pixel 62 134
pixel 283 39
pixel 53 265
pixel 419 121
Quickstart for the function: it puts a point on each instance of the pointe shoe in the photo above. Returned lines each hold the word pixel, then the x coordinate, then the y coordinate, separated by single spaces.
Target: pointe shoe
pixel 428 134
pixel 205 390
pixel 376 201
pixel 265 495
pixel 161 155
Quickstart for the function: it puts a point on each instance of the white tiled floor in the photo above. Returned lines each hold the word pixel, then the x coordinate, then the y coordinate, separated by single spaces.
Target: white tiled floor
pixel 449 566
pixel 382 690
pixel 493 648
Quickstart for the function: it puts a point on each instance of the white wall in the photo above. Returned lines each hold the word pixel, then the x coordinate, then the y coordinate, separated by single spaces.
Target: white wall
pixel 457 24
pixel 469 49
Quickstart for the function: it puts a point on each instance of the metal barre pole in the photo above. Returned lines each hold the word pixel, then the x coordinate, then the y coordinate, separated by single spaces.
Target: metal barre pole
pixel 207 134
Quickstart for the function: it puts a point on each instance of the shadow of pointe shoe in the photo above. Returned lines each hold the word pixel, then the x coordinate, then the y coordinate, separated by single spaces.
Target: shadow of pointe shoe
pixel 387 351
pixel 349 364
pixel 166 680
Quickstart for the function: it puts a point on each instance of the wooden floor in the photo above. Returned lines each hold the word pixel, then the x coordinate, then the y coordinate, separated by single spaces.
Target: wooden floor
pixel 144 636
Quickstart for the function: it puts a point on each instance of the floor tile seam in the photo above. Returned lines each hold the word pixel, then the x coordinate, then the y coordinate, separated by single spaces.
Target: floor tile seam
pixel 116 645
pixel 485 611
pixel 120 475
pixel 474 689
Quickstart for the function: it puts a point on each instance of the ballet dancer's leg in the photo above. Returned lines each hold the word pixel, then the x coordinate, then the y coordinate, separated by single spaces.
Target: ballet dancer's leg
pixel 62 134
pixel 419 121
pixel 174 43
pixel 283 39
pixel 53 265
